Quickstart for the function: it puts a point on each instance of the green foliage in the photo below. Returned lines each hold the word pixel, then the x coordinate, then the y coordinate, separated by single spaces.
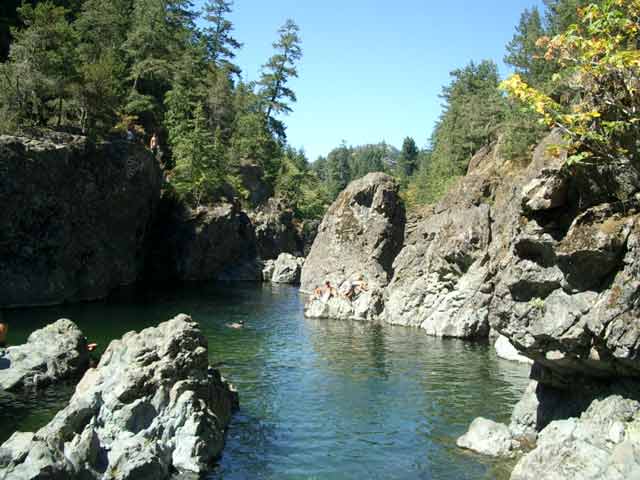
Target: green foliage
pixel 221 44
pixel 473 115
pixel 37 79
pixel 277 72
pixel 299 186
pixel 600 66
pixel 199 157
pixel 408 160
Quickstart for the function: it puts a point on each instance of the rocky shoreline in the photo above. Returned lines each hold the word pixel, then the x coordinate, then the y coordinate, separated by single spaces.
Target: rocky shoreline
pixel 544 258
pixel 151 407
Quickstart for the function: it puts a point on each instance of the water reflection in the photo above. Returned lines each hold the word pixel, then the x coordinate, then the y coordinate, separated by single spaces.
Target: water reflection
pixel 319 398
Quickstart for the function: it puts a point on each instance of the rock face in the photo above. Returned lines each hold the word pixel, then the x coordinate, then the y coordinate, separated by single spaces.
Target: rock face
pixel 151 407
pixel 603 444
pixel 209 243
pixel 287 269
pixel 275 230
pixel 55 352
pixel 361 234
pixel 75 217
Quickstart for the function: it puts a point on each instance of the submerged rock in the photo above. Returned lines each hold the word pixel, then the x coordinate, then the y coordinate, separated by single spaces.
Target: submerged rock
pixel 75 217
pixel 55 352
pixel 151 407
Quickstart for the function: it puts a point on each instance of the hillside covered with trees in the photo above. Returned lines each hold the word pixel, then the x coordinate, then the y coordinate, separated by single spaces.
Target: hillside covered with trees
pixel 100 67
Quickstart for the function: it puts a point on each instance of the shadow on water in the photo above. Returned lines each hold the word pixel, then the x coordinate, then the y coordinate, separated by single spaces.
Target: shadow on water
pixel 319 398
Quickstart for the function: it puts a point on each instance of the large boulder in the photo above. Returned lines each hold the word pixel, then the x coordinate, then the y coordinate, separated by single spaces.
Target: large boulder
pixel 489 438
pixel 215 242
pixel 74 217
pixel 603 444
pixel 360 235
pixel 287 269
pixel 151 407
pixel 55 352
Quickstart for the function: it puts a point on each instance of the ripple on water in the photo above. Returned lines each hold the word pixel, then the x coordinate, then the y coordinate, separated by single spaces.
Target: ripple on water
pixel 319 399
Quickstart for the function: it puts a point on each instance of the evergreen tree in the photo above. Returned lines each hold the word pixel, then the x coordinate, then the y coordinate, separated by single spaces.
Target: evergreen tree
pixel 408 160
pixel 338 169
pixel 276 74
pixel 41 68
pixel 524 54
pixel 221 45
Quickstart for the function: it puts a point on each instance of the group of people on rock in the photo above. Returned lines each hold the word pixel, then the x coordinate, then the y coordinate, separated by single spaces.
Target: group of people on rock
pixel 349 289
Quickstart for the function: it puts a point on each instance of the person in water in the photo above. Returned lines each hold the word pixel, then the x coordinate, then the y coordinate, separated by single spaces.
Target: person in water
pixel 4 328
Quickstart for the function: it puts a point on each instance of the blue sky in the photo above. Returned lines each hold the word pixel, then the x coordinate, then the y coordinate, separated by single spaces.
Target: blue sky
pixel 372 70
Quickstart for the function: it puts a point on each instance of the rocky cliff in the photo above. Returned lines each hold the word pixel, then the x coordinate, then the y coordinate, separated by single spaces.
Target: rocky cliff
pixel 151 408
pixel 74 217
pixel 548 256
pixel 208 243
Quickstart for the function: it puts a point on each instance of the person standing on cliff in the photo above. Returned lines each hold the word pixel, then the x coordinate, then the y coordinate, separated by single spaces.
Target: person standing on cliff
pixel 153 144
pixel 4 329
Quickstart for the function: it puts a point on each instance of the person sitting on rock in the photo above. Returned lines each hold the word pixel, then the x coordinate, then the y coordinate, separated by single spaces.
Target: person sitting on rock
pixel 329 291
pixel 360 285
pixel 347 289
pixel 4 328
pixel 317 293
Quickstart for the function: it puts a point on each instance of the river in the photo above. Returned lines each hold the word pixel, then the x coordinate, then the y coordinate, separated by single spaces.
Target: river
pixel 320 399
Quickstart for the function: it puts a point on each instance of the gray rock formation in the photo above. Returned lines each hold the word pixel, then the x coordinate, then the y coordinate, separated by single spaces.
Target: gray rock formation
pixel 366 306
pixel 276 231
pixel 151 407
pixel 360 234
pixel 74 217
pixel 489 438
pixel 55 352
pixel 505 350
pixel 209 243
pixel 603 444
pixel 287 269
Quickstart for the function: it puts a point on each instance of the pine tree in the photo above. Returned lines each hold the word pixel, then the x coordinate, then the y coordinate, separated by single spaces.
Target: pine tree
pixel 221 45
pixel 277 72
pixel 338 169
pixel 408 161
pixel 42 66
pixel 524 54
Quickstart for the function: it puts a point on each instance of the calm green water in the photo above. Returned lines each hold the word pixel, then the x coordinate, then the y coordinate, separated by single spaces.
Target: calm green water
pixel 319 399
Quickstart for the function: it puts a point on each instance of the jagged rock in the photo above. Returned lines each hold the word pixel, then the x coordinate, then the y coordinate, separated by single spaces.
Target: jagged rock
pixel 151 407
pixel 252 178
pixel 489 438
pixel 360 235
pixel 275 230
pixel 505 350
pixel 287 269
pixel 441 276
pixel 365 306
pixel 267 270
pixel 603 444
pixel 74 216
pixel 209 243
pixel 55 352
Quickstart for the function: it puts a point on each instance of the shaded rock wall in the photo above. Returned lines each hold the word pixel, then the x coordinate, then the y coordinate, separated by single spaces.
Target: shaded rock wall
pixel 208 243
pixel 74 217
